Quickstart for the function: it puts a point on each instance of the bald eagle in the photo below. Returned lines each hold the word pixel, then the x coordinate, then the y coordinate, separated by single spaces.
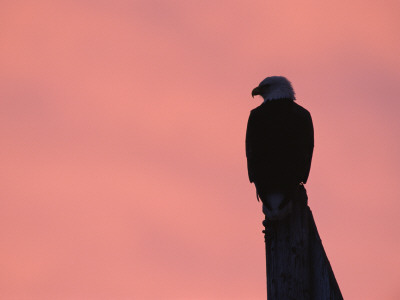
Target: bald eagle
pixel 279 139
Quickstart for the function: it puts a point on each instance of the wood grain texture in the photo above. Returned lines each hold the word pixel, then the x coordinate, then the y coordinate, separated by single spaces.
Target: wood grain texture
pixel 297 265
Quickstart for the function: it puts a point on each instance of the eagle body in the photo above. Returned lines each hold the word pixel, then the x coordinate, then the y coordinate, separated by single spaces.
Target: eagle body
pixel 279 145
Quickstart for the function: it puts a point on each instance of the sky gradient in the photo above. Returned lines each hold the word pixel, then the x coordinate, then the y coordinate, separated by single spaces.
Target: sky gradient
pixel 123 171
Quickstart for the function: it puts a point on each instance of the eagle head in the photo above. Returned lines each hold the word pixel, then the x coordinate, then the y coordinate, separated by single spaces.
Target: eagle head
pixel 274 87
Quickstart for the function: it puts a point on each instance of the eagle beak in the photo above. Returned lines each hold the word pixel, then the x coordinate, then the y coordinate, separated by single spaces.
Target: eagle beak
pixel 255 92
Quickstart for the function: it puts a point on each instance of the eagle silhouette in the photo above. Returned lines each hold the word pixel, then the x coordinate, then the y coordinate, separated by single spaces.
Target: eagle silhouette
pixel 279 139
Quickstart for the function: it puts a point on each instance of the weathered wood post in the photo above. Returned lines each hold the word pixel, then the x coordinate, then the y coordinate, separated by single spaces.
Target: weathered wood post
pixel 297 266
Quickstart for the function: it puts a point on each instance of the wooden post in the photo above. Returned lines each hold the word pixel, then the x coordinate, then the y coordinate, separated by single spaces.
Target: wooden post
pixel 297 266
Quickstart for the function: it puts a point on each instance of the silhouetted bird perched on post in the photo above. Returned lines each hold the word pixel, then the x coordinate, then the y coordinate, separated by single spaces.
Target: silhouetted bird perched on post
pixel 279 139
pixel 279 149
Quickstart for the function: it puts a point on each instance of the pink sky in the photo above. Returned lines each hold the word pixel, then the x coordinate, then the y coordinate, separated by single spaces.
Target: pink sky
pixel 123 172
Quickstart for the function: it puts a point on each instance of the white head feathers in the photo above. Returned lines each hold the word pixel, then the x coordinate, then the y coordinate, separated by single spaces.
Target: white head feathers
pixel 275 87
